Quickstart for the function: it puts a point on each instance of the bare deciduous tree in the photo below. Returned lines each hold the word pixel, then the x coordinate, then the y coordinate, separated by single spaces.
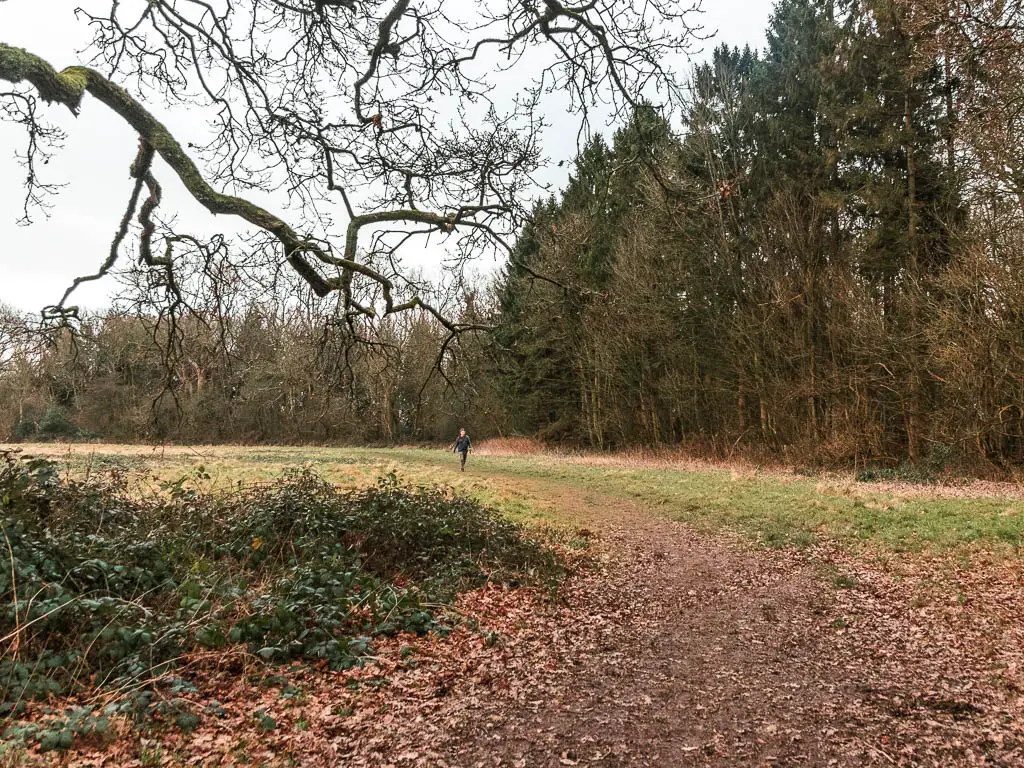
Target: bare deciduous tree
pixel 392 121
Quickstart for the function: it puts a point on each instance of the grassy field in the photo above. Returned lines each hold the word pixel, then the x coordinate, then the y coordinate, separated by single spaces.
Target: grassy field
pixel 775 509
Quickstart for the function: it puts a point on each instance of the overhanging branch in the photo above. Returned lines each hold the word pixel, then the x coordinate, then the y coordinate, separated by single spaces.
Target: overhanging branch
pixel 69 86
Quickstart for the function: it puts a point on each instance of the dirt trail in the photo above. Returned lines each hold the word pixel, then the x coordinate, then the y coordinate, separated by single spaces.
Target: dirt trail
pixel 706 655
pixel 697 650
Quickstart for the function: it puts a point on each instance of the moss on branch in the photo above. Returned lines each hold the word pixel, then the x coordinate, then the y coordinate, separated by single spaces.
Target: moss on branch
pixel 18 65
pixel 68 86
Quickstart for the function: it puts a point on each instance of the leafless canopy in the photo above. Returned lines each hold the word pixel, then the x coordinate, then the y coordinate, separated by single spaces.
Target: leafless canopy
pixel 380 122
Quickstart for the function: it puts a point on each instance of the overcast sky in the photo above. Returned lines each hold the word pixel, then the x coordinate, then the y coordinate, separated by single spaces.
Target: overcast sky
pixel 37 262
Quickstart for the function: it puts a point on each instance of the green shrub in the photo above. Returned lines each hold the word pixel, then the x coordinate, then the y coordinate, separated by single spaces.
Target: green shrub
pixel 907 472
pixel 927 471
pixel 54 424
pixel 110 589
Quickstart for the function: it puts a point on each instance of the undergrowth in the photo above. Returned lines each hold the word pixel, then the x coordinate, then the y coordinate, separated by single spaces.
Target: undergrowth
pixel 107 594
pixel 928 471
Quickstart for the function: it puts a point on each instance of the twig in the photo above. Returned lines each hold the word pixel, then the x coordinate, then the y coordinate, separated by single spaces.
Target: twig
pixel 16 644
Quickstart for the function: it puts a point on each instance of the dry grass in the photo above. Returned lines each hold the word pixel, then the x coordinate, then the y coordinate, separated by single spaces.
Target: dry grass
pixel 509 446
pixel 660 457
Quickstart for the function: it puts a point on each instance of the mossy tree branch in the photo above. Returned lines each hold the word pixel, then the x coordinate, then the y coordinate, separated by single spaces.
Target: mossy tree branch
pixel 68 87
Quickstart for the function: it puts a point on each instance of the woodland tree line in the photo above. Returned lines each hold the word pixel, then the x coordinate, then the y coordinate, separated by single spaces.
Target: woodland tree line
pixel 825 262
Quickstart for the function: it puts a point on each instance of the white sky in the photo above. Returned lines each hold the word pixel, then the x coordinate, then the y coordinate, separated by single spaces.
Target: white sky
pixel 39 261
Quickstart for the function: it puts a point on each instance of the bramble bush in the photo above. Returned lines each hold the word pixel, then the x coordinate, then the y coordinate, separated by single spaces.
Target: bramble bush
pixel 104 589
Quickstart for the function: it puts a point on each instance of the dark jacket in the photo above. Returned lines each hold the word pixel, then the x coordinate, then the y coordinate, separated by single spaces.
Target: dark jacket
pixel 463 444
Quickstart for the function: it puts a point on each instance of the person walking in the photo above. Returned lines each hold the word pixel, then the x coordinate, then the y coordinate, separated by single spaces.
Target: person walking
pixel 462 445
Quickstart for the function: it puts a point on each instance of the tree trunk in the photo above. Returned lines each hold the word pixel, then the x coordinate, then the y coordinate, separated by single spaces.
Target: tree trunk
pixel 911 404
